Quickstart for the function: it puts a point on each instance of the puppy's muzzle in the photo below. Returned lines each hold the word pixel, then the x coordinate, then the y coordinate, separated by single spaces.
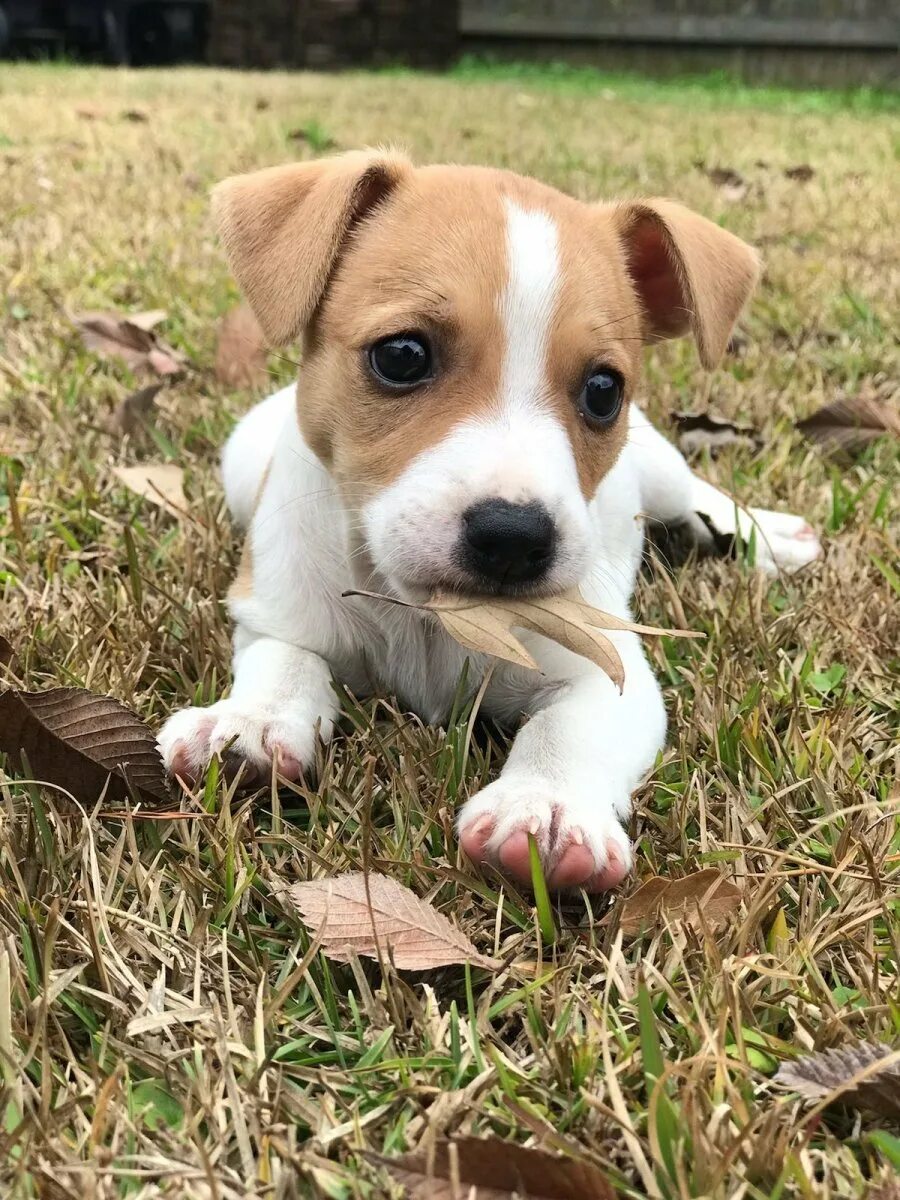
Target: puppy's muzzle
pixel 504 543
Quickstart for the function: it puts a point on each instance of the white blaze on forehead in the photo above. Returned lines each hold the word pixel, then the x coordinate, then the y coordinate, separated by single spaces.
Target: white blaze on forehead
pixel 527 304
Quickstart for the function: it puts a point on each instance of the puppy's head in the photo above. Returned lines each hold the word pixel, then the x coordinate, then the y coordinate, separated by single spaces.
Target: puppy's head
pixel 471 341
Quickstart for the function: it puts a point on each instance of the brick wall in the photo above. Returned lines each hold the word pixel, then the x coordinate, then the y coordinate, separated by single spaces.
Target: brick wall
pixel 334 33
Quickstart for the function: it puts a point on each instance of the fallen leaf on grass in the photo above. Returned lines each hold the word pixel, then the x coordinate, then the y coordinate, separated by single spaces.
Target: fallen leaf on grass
pixel 490 1169
pixel 160 483
pixel 706 431
pixel 850 424
pixel 384 918
pixel 128 415
pixel 241 350
pixel 834 1074
pixel 78 741
pixel 485 626
pixel 705 892
pixel 131 338
pixel 802 173
pixel 8 656
pixel 136 115
pixel 730 183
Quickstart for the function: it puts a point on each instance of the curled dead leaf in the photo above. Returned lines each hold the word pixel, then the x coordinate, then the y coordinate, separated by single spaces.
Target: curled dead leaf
pixel 131 338
pixel 491 1169
pixel 706 896
pixel 848 1075
pixel 802 173
pixel 129 414
pixel 707 431
pixel 378 917
pixel 485 625
pixel 160 483
pixel 241 349
pixel 82 743
pixel 850 424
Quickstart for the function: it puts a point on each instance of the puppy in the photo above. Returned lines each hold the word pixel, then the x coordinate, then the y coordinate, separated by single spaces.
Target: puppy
pixel 464 420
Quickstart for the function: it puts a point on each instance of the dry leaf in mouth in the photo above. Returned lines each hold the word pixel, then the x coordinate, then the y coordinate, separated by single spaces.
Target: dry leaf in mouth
pixel 816 1076
pixel 160 483
pixel 485 625
pixel 705 893
pixel 131 338
pixel 850 424
pixel 492 1169
pixel 82 743
pixel 241 349
pixel 378 917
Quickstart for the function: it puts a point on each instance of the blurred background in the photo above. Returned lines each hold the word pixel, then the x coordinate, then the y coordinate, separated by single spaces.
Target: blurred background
pixel 814 42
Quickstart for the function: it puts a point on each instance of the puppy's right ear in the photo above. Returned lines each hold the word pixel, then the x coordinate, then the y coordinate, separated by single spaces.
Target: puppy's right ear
pixel 284 227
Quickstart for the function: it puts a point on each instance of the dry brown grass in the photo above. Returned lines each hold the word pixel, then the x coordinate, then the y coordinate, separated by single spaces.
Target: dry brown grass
pixel 168 1036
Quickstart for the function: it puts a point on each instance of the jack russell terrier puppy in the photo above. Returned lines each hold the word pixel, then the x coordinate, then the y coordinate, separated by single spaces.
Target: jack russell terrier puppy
pixel 464 420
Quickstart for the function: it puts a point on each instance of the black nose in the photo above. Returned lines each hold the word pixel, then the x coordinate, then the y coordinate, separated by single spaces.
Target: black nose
pixel 508 543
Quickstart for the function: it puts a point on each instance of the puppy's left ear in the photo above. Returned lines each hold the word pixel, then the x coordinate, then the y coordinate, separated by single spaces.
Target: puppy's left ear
pixel 691 275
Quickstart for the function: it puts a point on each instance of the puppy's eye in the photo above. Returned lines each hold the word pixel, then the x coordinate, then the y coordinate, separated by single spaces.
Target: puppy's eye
pixel 601 397
pixel 401 361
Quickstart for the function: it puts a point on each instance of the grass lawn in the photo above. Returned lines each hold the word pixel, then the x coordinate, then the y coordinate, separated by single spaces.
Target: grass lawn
pixel 171 1036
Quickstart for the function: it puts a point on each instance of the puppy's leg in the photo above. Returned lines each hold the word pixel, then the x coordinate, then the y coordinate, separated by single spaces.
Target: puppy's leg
pixel 281 699
pixel 672 494
pixel 570 774
pixel 285 603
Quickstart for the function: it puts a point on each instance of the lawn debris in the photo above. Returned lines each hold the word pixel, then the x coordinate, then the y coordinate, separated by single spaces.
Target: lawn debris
pixel 731 183
pixel 847 1075
pixel 485 625
pixel 704 897
pixel 707 431
pixel 802 173
pixel 375 916
pixel 131 338
pixel 82 743
pixel 848 425
pixel 241 349
pixel 129 415
pixel 8 657
pixel 160 483
pixel 493 1170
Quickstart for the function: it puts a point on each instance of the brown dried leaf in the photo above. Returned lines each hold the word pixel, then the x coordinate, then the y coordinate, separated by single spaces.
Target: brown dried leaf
pixel 241 350
pixel 160 483
pixel 850 424
pixel 80 742
pixel 130 338
pixel 802 173
pixel 490 1169
pixel 387 919
pixel 705 893
pixel 485 625
pixel 136 115
pixel 706 431
pixel 849 1075
pixel 129 414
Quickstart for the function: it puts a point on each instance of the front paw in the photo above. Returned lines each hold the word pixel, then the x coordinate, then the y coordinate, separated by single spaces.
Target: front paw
pixel 582 843
pixel 255 735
